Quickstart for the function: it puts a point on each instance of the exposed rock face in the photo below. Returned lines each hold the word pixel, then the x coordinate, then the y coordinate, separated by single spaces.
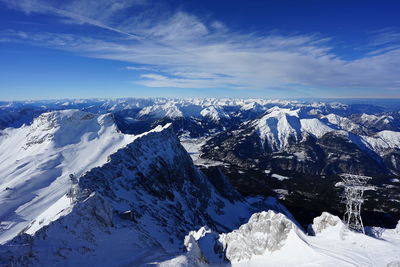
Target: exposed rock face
pixel 323 222
pixel 161 180
pixel 204 247
pixel 264 232
pixel 271 239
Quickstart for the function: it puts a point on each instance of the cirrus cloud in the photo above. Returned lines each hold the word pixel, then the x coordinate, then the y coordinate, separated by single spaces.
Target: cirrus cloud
pixel 182 50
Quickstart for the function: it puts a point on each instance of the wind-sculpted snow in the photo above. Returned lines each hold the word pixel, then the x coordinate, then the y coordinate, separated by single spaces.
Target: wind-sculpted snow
pixel 204 247
pixel 264 232
pixel 383 141
pixel 282 127
pixel 344 123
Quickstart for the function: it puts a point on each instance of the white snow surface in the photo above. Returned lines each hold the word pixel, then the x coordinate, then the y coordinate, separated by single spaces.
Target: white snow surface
pixel 214 113
pixel 193 147
pixel 342 122
pixel 36 161
pixel 315 127
pixel 281 127
pixel 369 119
pixel 253 106
pixel 271 239
pixel 383 141
pixel 153 176
pixel 279 177
pixel 167 110
pixel 278 126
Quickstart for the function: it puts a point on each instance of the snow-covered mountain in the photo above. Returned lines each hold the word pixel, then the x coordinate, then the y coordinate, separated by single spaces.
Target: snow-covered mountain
pixel 137 205
pixel 280 127
pixel 132 112
pixel 168 110
pixel 294 139
pixel 37 160
pixel 378 122
pixel 78 188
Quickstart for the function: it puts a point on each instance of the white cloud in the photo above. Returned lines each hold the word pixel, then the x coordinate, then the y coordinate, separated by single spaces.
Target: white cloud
pixel 157 80
pixel 144 68
pixel 383 41
pixel 182 50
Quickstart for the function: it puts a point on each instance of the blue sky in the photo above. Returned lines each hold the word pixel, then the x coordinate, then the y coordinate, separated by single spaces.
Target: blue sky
pixel 145 48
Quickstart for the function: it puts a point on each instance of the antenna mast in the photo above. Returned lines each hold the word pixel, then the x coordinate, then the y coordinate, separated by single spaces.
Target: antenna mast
pixel 354 187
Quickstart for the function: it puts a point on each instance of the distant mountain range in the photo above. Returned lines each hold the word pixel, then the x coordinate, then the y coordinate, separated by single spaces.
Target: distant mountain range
pixel 194 182
pixel 307 137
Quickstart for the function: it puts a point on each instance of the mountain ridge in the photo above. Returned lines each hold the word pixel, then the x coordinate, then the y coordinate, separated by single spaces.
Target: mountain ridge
pixel 148 190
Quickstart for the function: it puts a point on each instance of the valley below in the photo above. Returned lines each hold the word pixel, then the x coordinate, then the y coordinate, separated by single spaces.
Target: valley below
pixel 307 196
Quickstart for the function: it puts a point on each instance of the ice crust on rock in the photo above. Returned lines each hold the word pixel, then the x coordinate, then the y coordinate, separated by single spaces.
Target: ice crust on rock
pixel 326 220
pixel 203 247
pixel 271 239
pixel 264 232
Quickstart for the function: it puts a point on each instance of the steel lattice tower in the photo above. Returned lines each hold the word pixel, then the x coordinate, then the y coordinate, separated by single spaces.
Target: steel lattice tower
pixel 354 187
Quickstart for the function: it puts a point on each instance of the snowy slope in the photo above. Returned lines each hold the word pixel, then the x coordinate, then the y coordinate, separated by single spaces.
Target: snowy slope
pixel 270 239
pixel 281 127
pixel 214 113
pixel 343 123
pixel 278 127
pixel 37 160
pixel 368 120
pixel 383 141
pixel 168 110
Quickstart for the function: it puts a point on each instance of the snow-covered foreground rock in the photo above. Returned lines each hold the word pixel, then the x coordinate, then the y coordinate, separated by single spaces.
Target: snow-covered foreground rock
pixel 36 162
pixel 271 239
pixel 134 208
